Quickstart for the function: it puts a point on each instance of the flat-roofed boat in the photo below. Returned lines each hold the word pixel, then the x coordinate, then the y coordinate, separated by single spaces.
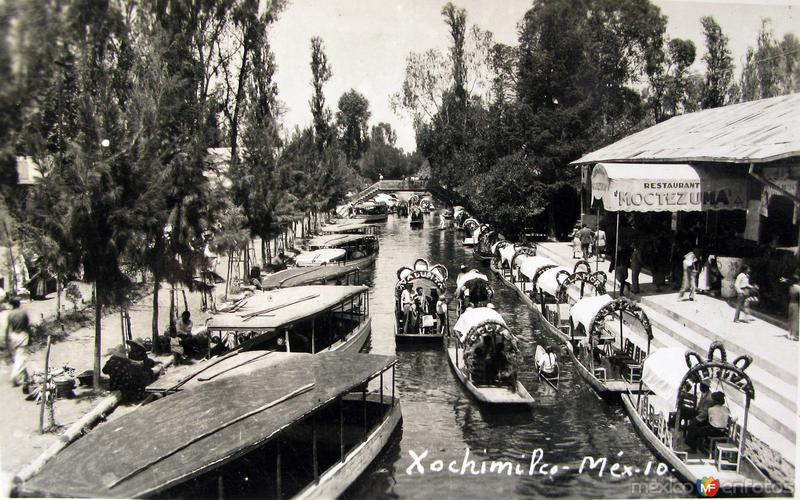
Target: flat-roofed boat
pixel 360 249
pixel 352 228
pixel 485 357
pixel 483 250
pixel 433 281
pixel 664 407
pixel 321 257
pixel 300 426
pixel 321 275
pixel 472 287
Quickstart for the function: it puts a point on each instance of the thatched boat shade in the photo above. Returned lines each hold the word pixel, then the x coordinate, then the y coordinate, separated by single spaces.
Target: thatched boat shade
pixel 751 132
pixel 202 424
pixel 298 276
pixel 282 307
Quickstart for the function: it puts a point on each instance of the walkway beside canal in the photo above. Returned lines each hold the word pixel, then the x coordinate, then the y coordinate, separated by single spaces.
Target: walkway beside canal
pixel 693 325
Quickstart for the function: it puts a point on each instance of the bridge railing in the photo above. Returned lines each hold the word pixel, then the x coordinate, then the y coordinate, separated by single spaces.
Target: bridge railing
pixel 391 185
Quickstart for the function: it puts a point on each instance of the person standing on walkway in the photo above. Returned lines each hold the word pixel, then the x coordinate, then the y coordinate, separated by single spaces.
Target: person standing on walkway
pixel 688 284
pixel 600 248
pixel 586 237
pixel 15 330
pixel 636 267
pixel 744 290
pixel 621 266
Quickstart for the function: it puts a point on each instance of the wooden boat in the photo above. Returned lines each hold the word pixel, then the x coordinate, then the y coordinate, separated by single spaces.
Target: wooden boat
pixel 546 365
pixel 459 216
pixel 431 278
pixel 322 275
pixel 301 426
pixel 482 328
pixel 426 205
pixel 470 227
pixel 472 287
pixel 508 256
pixel 371 211
pixel 669 386
pixel 416 218
pixel 321 257
pixel 360 249
pixel 352 228
pixel 483 250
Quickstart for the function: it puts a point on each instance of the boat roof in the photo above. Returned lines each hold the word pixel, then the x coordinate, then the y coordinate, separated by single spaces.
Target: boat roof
pixel 173 439
pixel 507 252
pixel 298 276
pixel 548 281
pixel 529 266
pixel 319 257
pixel 469 276
pixel 476 316
pixel 353 226
pixel 276 308
pixel 585 310
pixel 333 240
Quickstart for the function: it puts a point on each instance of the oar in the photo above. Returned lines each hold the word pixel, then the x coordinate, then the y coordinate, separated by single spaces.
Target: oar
pixel 204 435
pixel 275 308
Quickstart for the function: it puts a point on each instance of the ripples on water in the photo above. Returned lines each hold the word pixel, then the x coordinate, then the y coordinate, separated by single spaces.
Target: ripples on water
pixel 440 417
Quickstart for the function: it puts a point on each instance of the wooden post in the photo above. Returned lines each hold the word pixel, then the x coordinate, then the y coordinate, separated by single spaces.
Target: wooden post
pixel 381 392
pixel 341 429
pixel 393 384
pixel 616 254
pixel 45 392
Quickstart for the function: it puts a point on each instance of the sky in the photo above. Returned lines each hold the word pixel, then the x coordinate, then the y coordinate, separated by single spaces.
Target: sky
pixel 367 42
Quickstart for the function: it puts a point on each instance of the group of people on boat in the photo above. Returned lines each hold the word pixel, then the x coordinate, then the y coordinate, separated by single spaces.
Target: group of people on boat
pixel 489 361
pixel 709 418
pixel 419 310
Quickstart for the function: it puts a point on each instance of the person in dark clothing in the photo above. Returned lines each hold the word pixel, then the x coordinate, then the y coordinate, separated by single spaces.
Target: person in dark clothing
pixel 133 374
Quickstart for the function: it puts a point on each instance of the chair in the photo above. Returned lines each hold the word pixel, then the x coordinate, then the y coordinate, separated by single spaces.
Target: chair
pixel 715 441
pixel 727 456
pixel 600 374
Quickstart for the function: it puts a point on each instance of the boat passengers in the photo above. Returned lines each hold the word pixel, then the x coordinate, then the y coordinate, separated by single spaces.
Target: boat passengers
pixel 716 424
pixel 488 362
pixel 406 302
pixel 700 412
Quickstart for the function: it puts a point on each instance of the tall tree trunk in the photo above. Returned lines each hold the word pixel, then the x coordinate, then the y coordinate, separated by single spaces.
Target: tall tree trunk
pixel 58 298
pixel 154 323
pixel 263 253
pixel 98 328
pixel 240 87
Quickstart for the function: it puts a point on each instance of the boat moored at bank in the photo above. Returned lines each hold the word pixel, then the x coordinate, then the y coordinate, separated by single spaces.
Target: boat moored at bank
pixel 359 249
pixel 483 250
pixel 319 275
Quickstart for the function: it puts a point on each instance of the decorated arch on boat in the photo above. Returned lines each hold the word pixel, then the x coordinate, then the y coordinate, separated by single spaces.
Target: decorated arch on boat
pixel 435 274
pixel 521 250
pixel 470 225
pixel 551 280
pixel 477 324
pixel 619 307
pixel 413 200
pixel 540 271
pixel 716 367
pixel 582 265
pixel 597 280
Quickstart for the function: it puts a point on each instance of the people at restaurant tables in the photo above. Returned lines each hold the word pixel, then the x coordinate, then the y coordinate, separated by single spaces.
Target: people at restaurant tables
pixel 407 303
pixel 715 426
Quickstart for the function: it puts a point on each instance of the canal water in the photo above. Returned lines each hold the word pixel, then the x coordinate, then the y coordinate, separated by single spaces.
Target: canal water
pixel 564 434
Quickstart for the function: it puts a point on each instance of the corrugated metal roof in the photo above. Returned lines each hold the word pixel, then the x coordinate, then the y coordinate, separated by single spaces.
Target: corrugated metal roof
pixel 750 132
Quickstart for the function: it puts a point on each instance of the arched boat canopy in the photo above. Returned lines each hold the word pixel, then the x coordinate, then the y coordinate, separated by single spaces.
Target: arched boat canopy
pixel 499 245
pixel 471 224
pixel 591 312
pixel 662 372
pixel 596 280
pixel 320 257
pixel 521 252
pixel 476 321
pixel 585 310
pixel 550 281
pixel 469 276
pixel 531 265
pixel 436 275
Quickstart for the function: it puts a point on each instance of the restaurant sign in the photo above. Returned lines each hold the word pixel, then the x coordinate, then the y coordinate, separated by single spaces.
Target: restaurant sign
pixel 665 188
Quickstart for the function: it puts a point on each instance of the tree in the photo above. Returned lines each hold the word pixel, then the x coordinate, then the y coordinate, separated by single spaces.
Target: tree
pixel 320 74
pixel 763 72
pixel 670 82
pixel 352 119
pixel 382 133
pixel 716 90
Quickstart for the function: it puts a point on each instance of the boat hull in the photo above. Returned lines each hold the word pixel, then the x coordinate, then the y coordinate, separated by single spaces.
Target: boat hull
pixel 338 478
pixel 495 395
pixel 728 486
pixel 355 342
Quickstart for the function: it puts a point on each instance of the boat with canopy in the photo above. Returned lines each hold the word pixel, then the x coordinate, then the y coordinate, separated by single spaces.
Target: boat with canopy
pixel 485 357
pixel 322 275
pixel 301 426
pixel 425 322
pixel 469 227
pixel 352 228
pixel 426 205
pixel 416 217
pixel 460 214
pixel 472 287
pixel 508 256
pixel 483 250
pixel 360 249
pixel 322 257
pixel 609 341
pixel 663 409
pixel 372 211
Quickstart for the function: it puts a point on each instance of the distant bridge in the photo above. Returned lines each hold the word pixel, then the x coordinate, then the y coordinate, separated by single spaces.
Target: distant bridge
pixel 390 186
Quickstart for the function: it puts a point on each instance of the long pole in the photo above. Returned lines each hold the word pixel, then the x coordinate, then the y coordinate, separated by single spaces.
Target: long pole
pixel 616 253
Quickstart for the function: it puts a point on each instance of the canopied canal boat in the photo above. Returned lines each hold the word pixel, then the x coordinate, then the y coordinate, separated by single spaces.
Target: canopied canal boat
pixel 352 228
pixel 416 217
pixel 321 257
pixel 372 211
pixel 508 256
pixel 484 355
pixel 322 275
pixel 459 216
pixel 424 320
pixel 609 340
pixel 472 287
pixel 469 227
pixel 484 246
pixel 662 413
pixel 360 249
pixel 301 426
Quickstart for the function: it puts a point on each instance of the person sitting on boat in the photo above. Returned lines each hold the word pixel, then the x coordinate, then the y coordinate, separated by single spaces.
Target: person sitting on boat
pixel 358 253
pixel 716 426
pixel 441 313
pixel 255 278
pixel 420 304
pixel 503 369
pixel 406 302
pixel 548 364
pixel 700 412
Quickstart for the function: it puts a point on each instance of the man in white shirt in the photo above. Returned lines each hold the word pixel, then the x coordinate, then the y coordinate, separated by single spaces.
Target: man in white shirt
pixel 743 291
pixel 689 273
pixel 406 301
pixel 717 425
